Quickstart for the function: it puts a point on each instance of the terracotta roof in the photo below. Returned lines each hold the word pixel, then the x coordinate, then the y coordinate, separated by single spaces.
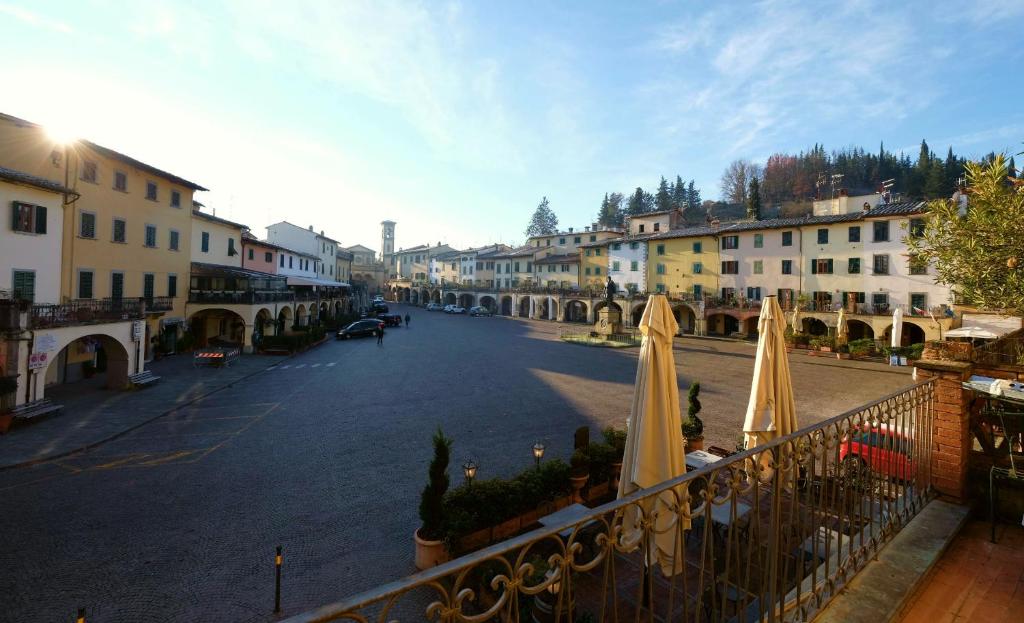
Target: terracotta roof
pixel 519 252
pixel 217 219
pixel 568 258
pixel 688 232
pixel 896 209
pixel 218 270
pixel 18 177
pixel 264 243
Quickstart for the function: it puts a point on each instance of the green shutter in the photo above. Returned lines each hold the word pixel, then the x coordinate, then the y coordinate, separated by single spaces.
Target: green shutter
pixel 814 267
pixel 40 220
pixel 14 215
pixel 830 267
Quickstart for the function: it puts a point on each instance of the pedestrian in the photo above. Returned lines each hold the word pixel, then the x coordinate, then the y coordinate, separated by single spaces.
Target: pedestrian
pixel 380 336
pixel 407 320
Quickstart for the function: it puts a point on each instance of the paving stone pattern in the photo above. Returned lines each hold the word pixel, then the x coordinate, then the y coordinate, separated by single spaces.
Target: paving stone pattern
pixel 325 454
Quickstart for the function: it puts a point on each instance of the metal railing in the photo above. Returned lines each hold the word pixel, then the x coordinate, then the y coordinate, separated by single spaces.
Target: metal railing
pixel 85 311
pixel 629 337
pixel 246 297
pixel 159 303
pixel 771 533
pixel 1008 350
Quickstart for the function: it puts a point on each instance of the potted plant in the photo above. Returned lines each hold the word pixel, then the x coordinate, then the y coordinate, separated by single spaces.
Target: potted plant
pixel 616 438
pixel 430 548
pixel 693 427
pixel 579 473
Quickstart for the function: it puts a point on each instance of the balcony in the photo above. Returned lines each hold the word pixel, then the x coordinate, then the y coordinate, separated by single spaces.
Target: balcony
pixel 767 534
pixel 85 311
pixel 248 297
pixel 159 304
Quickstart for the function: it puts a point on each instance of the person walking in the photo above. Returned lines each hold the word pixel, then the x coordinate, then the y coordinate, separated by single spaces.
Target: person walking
pixel 407 321
pixel 380 336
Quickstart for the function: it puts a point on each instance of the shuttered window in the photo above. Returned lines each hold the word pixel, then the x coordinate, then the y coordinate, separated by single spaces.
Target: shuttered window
pixel 173 241
pixel 28 218
pixel 85 284
pixel 150 235
pixel 147 286
pixel 172 285
pixel 24 285
pixel 120 230
pixel 88 225
pixel 117 286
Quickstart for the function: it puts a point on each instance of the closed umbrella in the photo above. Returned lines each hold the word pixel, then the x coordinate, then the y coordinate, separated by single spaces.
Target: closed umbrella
pixel 841 327
pixel 654 444
pixel 897 328
pixel 796 320
pixel 771 412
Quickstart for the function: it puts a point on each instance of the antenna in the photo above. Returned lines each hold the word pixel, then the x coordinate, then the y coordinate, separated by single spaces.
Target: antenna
pixel 887 189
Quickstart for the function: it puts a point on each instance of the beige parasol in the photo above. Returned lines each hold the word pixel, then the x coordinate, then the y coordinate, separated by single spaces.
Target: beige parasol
pixel 771 411
pixel 654 444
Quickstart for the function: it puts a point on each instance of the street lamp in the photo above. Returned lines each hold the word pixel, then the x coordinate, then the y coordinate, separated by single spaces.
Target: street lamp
pixel 469 467
pixel 538 452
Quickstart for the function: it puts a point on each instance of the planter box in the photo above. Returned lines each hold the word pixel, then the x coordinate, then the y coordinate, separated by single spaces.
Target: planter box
pixel 812 353
pixel 825 349
pixel 505 529
pixel 842 355
pixel 529 518
pixel 598 491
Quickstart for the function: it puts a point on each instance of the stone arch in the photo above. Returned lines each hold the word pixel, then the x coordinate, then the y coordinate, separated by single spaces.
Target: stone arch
pixel 450 298
pixel 814 326
pixel 858 330
pixel 415 298
pixel 575 311
pixel 488 302
pixel 750 326
pixel 262 325
pixel 604 303
pixel 506 305
pixel 284 319
pixel 216 326
pixel 546 308
pixel 637 313
pixel 912 333
pixel 722 324
pixel 424 296
pixel 686 318
pixel 105 351
pixel 301 316
pixel 325 310
pixel 466 300
pixel 524 307
pixel 435 297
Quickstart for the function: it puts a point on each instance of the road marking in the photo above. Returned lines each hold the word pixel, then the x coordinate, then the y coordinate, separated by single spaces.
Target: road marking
pixel 167 459
pixel 272 368
pixel 286 366
pixel 301 365
pixel 331 364
pixel 128 459
pixel 315 365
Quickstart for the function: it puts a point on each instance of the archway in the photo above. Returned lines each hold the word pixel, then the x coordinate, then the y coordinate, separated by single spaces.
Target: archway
pixel 910 334
pixel 214 327
pixel 337 309
pixel 284 320
pixel 506 306
pixel 466 300
pixel 548 309
pixel 637 314
pixel 858 330
pixel 415 297
pixel 604 303
pixel 301 316
pixel 524 307
pixel 722 324
pixel 264 325
pixel 685 318
pixel 424 296
pixel 813 326
pixel 450 299
pixel 435 297
pixel 324 311
pixel 488 302
pixel 750 326
pixel 96 355
pixel 575 311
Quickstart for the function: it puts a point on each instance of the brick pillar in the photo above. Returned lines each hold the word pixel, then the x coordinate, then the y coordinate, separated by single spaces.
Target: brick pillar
pixel 951 426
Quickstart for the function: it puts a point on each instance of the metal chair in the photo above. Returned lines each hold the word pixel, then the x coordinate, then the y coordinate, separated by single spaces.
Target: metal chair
pixel 1012 423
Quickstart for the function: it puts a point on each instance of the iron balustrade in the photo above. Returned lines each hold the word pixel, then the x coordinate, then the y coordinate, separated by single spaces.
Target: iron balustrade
pixel 85 311
pixel 1008 350
pixel 771 533
pixel 159 303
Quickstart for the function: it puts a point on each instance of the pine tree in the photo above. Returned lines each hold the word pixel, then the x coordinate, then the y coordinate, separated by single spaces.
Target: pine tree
pixel 754 200
pixel 611 210
pixel 544 221
pixel 663 200
pixel 935 181
pixel 640 202
pixel 679 194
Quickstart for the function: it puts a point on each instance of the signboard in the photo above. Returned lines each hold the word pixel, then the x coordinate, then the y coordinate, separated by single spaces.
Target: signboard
pixel 38 361
pixel 138 329
pixel 45 343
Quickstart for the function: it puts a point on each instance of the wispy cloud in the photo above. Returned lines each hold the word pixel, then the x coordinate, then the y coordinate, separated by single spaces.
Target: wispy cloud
pixel 34 19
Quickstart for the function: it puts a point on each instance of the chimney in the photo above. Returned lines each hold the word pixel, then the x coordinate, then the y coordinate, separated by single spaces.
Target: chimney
pixel 321 232
pixel 587 228
pixel 310 228
pixel 570 230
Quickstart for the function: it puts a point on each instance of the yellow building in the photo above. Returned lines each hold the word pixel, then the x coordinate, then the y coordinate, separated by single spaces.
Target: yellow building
pixel 683 262
pixel 127 231
pixel 593 268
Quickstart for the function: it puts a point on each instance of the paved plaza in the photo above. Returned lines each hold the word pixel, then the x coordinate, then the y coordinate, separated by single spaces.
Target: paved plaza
pixel 325 454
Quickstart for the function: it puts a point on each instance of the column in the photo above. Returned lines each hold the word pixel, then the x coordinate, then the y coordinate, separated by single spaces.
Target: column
pixel 247 339
pixel 951 426
pixel 533 308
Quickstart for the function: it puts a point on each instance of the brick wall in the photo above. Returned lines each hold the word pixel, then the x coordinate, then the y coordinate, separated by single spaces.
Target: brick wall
pixel 951 433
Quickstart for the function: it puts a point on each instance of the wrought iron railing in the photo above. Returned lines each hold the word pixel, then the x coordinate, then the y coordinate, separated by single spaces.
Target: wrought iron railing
pixel 771 533
pixel 1008 350
pixel 159 303
pixel 245 297
pixel 85 311
pixel 628 337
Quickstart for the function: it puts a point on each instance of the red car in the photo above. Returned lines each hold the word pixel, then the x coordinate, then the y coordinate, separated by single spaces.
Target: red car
pixel 884 451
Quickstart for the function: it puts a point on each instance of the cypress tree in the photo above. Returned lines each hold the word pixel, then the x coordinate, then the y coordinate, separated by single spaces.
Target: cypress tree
pixel 663 200
pixel 754 200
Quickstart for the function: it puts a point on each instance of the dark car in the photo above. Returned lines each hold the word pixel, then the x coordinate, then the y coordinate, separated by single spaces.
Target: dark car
pixel 379 307
pixel 360 328
pixel 390 320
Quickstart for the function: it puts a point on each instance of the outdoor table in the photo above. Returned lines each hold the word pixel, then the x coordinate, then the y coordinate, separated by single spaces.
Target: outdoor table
pixel 697 459
pixel 573 513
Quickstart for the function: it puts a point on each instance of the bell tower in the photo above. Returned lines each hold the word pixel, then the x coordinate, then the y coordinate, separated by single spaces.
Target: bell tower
pixel 387 243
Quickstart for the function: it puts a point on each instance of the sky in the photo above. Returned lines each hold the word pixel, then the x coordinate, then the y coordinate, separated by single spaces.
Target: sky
pixel 454 118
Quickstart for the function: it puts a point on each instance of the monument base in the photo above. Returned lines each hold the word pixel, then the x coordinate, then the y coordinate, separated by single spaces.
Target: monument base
pixel 609 321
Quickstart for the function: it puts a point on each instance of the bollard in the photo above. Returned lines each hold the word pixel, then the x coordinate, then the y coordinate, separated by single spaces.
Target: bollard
pixel 81 616
pixel 277 580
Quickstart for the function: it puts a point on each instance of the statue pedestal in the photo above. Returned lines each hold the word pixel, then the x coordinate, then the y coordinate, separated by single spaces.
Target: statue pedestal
pixel 609 321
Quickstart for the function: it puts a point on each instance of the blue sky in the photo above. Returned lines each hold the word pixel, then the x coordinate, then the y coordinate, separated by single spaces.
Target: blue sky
pixel 453 119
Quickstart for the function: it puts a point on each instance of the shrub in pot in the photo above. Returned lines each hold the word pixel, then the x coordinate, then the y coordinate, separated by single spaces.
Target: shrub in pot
pixel 579 473
pixel 693 427
pixel 430 549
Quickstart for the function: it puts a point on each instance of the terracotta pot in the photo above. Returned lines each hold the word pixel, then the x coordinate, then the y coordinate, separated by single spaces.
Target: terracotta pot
pixel 697 443
pixel 5 422
pixel 429 553
pixel 578 482
pixel 842 355
pixel 616 474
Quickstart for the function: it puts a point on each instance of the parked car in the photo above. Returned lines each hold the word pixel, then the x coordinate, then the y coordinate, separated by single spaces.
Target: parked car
pixel 883 451
pixel 360 328
pixel 455 309
pixel 378 297
pixel 480 310
pixel 379 307
pixel 390 320
pixel 448 308
pixel 434 307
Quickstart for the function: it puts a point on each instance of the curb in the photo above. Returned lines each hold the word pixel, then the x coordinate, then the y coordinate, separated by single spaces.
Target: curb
pixel 95 444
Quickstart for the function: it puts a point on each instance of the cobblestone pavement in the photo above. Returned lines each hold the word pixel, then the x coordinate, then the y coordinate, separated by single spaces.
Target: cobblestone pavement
pixel 325 454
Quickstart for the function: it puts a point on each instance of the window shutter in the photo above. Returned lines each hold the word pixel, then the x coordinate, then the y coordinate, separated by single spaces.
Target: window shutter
pixel 814 267
pixel 830 267
pixel 40 219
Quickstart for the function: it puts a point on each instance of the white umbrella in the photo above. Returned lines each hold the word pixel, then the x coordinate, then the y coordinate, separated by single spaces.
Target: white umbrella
pixel 841 326
pixel 897 327
pixel 654 443
pixel 972 332
pixel 771 411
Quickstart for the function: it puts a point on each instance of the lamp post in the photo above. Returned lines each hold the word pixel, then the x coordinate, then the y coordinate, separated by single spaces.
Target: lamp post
pixel 469 467
pixel 538 452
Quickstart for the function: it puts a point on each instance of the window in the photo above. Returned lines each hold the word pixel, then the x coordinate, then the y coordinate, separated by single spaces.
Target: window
pixel 879 299
pixel 881 264
pixel 175 199
pixel 561 241
pixel 821 267
pixel 615 266
pixel 918 301
pixel 268 257
pixel 633 266
pixel 754 294
pixel 586 271
pixel 231 247
pixel 758 241
pixel 120 181
pixel 479 265
pixel 252 255
pixel 565 268
pixel 547 242
pixel 918 266
pixel 616 246
pixel 576 240
pixel 529 267
pixel 172 285
pixel 659 288
pixel 147 286
pixel 787 238
pixel 698 268
pixel 516 266
pixel 173 241
pixel 758 267
pixel 28 218
pixel 731 268
pixel 150 235
pixel 89 172
pixel 660 269
pixel 698 247
pixel 117 285
pixel 657 227
pixel 698 290
pixel 151 191
pixel 291 259
pixel 24 285
pixel 85 284
pixel 87 225
pixel 593 238
pixel 823 236
pixel 588 252
pixel 597 270
pixel 853 234
pixel 787 267
pixel 597 252
pixel 881 229
pixel 728 293
pixel 634 245
pixel 853 266
pixel 916 227
pixel 660 249
pixel 120 230
pixel 641 229
pixel 205 245
pixel 730 242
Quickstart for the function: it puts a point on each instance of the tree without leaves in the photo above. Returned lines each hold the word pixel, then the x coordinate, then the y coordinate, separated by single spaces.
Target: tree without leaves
pixel 981 253
pixel 544 221
pixel 754 200
pixel 736 179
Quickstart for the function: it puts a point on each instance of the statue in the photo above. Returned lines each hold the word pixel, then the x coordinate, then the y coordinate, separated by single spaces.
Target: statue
pixel 611 288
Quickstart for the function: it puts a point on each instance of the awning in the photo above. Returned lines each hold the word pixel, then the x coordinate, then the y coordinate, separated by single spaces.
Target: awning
pixel 324 283
pixel 171 322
